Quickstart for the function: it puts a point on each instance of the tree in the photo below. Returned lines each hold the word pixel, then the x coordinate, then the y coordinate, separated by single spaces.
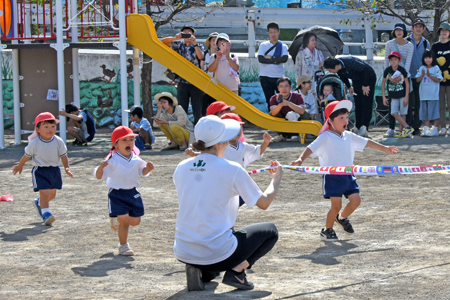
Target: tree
pixel 406 11
pixel 162 13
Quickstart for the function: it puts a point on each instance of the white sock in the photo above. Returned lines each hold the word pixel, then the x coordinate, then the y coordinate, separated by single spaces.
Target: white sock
pixel 341 217
pixel 45 210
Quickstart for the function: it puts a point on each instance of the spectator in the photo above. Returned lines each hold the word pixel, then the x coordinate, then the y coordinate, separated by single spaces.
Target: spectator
pixel 173 122
pixel 420 45
pixel 83 128
pixel 303 87
pixel 189 49
pixel 141 125
pixel 224 64
pixel 272 55
pixel 287 105
pixel 211 48
pixel 406 49
pixel 309 59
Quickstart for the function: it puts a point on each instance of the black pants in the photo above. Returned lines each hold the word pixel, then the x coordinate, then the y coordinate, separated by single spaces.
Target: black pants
pixel 364 104
pixel 270 88
pixel 186 91
pixel 414 106
pixel 254 242
pixel 207 100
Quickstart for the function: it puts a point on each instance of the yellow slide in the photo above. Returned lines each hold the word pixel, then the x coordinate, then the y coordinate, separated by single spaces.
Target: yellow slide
pixel 142 34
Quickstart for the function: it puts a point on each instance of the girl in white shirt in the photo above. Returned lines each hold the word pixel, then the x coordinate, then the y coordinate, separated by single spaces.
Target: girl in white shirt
pixel 122 168
pixel 208 187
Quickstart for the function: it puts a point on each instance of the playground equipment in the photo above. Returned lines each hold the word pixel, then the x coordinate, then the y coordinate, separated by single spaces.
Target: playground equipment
pixel 142 35
pixel 52 24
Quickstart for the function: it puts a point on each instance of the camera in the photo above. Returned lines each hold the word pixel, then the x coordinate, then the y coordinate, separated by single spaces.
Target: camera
pixel 185 35
pixel 280 98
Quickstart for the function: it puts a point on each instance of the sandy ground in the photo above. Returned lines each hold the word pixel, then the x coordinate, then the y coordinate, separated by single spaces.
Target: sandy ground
pixel 400 249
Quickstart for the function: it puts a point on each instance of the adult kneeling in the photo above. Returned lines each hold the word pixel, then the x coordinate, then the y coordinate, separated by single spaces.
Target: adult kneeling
pixel 173 122
pixel 208 188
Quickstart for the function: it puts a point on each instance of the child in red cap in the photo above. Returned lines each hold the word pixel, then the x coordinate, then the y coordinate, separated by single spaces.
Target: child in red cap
pixel 122 168
pixel 45 149
pixel 336 146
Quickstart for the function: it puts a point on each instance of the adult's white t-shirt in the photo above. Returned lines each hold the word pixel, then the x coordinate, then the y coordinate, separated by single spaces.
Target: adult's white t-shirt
pixel 337 150
pixel 271 70
pixel 208 190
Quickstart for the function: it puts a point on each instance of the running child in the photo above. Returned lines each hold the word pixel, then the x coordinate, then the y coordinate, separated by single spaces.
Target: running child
pixel 122 169
pixel 336 147
pixel 429 75
pixel 398 93
pixel 45 150
pixel 83 128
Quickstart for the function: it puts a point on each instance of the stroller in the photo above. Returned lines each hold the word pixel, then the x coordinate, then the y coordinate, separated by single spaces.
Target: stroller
pixel 324 79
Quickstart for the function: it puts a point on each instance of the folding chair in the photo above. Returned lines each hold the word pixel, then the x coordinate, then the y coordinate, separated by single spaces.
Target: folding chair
pixel 381 111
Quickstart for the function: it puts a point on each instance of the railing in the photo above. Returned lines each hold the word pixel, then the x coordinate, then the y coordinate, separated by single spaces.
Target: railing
pixel 35 19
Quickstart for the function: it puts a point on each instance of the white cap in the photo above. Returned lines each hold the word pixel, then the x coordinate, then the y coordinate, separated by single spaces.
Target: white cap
pixel 213 130
pixel 222 36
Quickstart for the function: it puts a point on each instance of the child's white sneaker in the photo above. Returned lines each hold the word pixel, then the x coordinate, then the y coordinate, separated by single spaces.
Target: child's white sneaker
pixel 442 131
pixel 125 250
pixel 355 130
pixel 433 132
pixel 425 131
pixel 390 133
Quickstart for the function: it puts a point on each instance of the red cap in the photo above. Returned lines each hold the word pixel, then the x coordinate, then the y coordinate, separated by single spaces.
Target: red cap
pixel 45 116
pixel 217 106
pixel 232 116
pixel 396 54
pixel 121 132
pixel 332 107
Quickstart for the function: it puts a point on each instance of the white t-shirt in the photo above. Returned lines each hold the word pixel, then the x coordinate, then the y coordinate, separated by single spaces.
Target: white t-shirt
pixel 271 70
pixel 429 90
pixel 122 172
pixel 208 187
pixel 310 103
pixel 46 153
pixel 222 72
pixel 337 150
pixel 243 153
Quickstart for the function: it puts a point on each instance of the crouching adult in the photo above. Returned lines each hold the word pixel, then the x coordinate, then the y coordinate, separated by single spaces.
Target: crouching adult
pixel 208 188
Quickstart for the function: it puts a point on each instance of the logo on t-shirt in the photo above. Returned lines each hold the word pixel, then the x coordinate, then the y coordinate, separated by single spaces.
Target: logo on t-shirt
pixel 198 166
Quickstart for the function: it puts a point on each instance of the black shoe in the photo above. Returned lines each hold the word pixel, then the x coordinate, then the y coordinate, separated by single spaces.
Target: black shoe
pixel 328 235
pixel 75 142
pixel 237 281
pixel 82 144
pixel 148 146
pixel 416 131
pixel 345 224
pixel 194 282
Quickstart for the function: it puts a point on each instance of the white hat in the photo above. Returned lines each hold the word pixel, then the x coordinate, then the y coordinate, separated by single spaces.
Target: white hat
pixel 223 36
pixel 213 130
pixel 167 95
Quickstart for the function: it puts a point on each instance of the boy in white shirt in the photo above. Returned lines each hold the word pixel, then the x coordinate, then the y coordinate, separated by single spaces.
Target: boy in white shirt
pixel 336 147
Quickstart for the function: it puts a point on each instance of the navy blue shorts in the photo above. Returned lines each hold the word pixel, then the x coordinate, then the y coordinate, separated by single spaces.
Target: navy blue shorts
pixel 46 178
pixel 338 185
pixel 122 202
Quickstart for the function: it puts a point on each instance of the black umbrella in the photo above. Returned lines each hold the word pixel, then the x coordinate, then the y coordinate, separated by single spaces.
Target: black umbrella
pixel 328 41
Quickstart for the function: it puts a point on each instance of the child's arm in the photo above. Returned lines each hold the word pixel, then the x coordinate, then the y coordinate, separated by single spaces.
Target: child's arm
pixel 267 138
pixel 62 112
pixel 383 91
pixel 306 153
pixel 406 100
pixel 378 146
pixel 435 79
pixel 148 168
pixel 99 173
pixel 65 161
pixel 191 152
pixel 18 168
pixel 419 79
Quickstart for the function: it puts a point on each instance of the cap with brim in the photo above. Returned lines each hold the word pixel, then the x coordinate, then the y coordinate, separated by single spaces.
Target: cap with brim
pixel 303 78
pixel 188 27
pixel 134 109
pixel 208 40
pixel 395 54
pixel 418 21
pixel 444 25
pixel 45 116
pixel 168 95
pixel 332 107
pixel 401 26
pixel 213 130
pixel 223 36
pixel 121 132
pixel 232 116
pixel 217 106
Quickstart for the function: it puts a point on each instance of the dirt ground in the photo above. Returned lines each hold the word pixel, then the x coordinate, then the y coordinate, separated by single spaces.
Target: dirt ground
pixel 400 249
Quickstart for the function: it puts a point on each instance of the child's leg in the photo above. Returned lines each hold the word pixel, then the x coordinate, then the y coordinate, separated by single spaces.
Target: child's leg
pixel 401 120
pixel 45 196
pixel 435 123
pixel 134 221
pixel 403 124
pixel 145 135
pixel 124 221
pixel 336 205
pixel 354 200
pixel 427 123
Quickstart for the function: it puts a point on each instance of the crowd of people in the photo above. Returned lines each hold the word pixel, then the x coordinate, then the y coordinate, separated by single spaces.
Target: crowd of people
pixel 212 183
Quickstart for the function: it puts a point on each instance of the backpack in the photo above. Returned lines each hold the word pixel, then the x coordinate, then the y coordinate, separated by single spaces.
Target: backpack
pixel 90 124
